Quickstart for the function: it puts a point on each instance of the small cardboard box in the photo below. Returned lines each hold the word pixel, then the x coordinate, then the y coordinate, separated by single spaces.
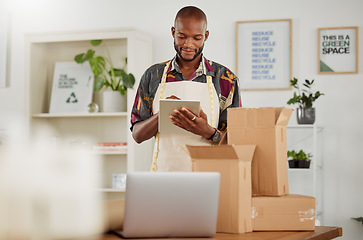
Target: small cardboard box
pixel 234 165
pixel 286 213
pixel 265 128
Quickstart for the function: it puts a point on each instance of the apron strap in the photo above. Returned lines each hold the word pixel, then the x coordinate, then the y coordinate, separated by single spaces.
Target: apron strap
pixel 211 99
pixel 156 148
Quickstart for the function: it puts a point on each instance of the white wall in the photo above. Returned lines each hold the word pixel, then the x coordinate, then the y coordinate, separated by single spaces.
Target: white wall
pixel 340 110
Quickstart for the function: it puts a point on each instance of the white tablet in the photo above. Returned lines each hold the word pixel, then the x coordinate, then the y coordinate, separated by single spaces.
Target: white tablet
pixel 166 108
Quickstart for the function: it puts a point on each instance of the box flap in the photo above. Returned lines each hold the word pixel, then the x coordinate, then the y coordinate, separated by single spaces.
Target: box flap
pixel 245 152
pixel 251 117
pixel 211 152
pixel 277 113
pixel 241 152
pixel 284 116
pixel 265 117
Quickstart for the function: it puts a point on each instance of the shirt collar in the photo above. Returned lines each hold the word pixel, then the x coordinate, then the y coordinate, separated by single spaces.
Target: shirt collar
pixel 204 67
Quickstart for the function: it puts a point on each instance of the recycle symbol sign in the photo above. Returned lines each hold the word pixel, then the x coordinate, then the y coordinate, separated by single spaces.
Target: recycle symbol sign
pixel 72 98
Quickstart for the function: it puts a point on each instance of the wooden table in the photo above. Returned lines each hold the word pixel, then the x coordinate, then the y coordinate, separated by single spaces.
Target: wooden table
pixel 320 233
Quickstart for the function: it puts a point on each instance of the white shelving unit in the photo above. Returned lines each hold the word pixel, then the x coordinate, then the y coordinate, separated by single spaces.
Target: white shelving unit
pixel 307 181
pixel 43 51
pixel 112 190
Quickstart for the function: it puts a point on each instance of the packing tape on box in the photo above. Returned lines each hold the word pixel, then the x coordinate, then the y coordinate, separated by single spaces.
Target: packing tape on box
pixel 254 212
pixel 307 215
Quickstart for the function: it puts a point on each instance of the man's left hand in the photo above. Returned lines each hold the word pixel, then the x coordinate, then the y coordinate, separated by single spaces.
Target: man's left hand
pixel 186 119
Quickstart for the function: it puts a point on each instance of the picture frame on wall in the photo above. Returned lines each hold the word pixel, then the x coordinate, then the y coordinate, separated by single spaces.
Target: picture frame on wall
pixel 264 54
pixel 338 50
pixel 72 88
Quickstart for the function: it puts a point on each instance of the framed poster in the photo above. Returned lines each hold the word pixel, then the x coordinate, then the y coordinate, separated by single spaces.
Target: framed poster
pixel 264 54
pixel 72 88
pixel 338 50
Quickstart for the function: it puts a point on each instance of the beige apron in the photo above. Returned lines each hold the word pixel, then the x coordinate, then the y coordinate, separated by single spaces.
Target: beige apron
pixel 168 153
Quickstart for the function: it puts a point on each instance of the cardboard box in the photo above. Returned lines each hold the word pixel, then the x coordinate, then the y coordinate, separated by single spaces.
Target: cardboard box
pixel 286 213
pixel 265 128
pixel 113 216
pixel 234 165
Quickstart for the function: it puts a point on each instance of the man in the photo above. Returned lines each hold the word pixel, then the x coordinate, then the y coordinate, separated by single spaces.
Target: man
pixel 217 88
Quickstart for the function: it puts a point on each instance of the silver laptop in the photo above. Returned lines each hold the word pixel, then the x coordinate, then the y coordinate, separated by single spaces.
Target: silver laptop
pixel 171 204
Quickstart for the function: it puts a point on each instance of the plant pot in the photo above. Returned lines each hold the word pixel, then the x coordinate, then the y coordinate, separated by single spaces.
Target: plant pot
pixel 305 116
pixel 113 101
pixel 293 163
pixel 303 164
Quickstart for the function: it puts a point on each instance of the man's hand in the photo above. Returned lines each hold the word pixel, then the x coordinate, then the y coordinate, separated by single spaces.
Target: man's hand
pixel 187 120
pixel 173 97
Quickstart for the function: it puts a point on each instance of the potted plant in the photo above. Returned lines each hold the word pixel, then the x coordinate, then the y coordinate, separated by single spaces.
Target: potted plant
pixel 299 159
pixel 305 99
pixel 108 76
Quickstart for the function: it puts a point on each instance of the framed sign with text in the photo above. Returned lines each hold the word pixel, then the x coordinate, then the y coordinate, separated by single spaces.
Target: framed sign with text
pixel 338 50
pixel 264 54
pixel 72 88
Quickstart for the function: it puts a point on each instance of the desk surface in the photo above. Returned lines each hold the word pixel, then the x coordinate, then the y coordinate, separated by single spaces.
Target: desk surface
pixel 320 233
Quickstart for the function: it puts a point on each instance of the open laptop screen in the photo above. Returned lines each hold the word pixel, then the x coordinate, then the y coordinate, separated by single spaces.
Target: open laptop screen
pixel 171 204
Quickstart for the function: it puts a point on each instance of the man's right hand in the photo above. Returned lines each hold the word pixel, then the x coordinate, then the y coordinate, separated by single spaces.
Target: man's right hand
pixel 146 129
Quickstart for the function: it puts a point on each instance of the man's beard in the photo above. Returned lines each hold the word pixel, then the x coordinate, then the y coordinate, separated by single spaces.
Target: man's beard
pixel 197 53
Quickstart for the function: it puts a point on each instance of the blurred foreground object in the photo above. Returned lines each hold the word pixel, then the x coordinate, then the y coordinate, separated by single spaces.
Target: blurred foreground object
pixel 48 192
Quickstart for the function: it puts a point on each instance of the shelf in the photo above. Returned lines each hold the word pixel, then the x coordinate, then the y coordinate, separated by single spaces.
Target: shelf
pixel 42 51
pixel 305 126
pixel 110 152
pixel 308 181
pixel 111 190
pixel 301 170
pixel 67 115
pixel 311 169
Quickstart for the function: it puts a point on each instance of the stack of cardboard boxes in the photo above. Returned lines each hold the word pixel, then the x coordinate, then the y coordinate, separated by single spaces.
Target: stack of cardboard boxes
pixel 254 190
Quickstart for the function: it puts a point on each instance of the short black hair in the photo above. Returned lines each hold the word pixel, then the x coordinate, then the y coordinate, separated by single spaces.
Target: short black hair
pixel 191 11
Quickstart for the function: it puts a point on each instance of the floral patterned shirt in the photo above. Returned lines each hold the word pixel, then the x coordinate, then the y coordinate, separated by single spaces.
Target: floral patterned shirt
pixel 225 83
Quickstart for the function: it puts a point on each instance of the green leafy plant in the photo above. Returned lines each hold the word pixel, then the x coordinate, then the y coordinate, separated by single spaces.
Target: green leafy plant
pixel 301 155
pixel 304 97
pixel 106 75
